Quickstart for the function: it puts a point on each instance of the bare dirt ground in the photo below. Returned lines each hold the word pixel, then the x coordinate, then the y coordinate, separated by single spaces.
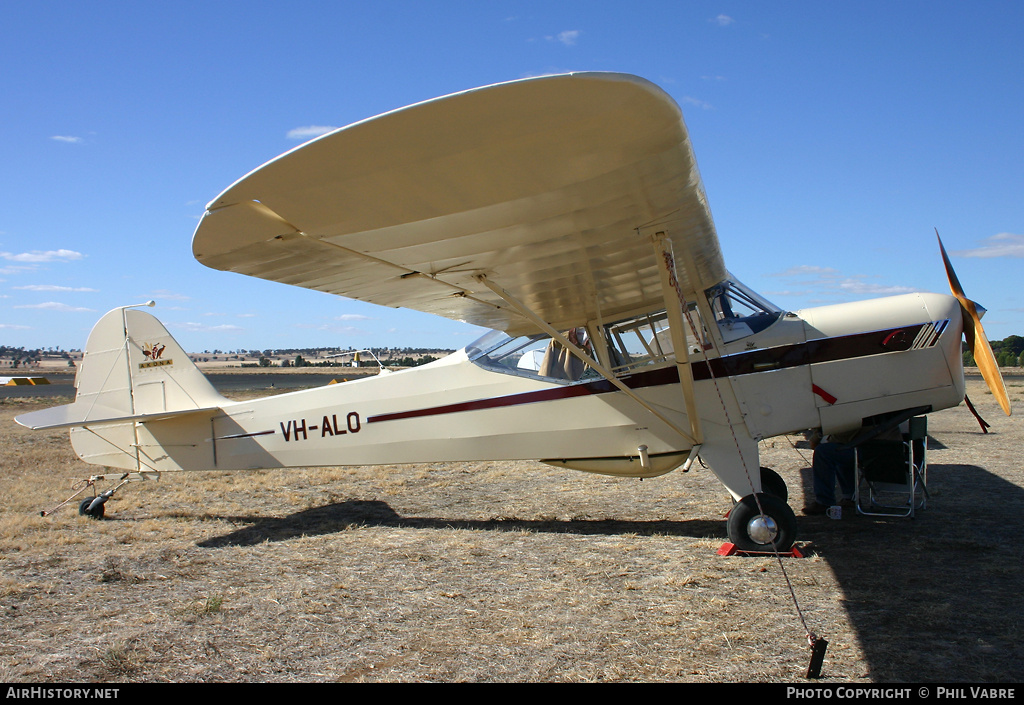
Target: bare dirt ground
pixel 503 571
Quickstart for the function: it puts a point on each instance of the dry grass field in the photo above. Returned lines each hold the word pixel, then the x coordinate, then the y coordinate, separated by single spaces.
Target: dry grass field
pixel 503 571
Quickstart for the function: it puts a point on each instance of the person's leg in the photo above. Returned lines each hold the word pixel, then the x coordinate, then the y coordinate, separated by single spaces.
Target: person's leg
pixel 832 462
pixel 846 474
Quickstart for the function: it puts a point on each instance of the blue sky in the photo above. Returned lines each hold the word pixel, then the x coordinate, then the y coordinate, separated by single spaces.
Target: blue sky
pixel 832 138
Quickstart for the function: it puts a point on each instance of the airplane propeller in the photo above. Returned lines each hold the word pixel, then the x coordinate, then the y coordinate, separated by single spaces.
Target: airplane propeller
pixel 975 335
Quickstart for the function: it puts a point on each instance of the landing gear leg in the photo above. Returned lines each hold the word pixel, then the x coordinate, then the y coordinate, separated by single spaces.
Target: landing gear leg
pixel 94 507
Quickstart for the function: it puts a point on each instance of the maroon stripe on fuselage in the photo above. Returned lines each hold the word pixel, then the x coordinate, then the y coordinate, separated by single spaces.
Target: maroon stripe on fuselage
pixel 812 352
pixel 576 390
pixel 765 360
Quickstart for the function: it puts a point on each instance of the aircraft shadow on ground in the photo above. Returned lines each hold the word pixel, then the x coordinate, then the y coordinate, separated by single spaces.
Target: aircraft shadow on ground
pixel 934 598
pixel 333 518
pixel 930 599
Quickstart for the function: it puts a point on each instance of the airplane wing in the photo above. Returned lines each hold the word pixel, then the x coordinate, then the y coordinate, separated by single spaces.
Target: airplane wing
pixel 550 187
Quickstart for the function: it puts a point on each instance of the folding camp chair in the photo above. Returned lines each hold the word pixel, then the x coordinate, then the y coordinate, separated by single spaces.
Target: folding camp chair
pixel 892 476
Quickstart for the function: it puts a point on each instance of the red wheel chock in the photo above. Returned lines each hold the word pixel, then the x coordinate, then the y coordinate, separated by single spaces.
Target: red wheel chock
pixel 729 549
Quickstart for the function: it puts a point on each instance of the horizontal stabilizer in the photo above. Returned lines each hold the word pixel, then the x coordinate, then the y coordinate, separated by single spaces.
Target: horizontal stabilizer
pixel 72 415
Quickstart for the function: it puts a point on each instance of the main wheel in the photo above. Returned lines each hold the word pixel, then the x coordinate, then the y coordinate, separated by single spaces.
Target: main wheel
pixel 95 513
pixel 750 531
pixel 772 483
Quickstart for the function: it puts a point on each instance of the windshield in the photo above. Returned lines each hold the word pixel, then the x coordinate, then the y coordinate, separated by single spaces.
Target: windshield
pixel 740 311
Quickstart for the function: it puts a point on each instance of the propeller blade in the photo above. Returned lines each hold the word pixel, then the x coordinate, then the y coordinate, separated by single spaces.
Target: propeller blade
pixel 974 332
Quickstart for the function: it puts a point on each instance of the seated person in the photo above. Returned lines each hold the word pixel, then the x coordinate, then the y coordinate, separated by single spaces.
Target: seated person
pixel 559 363
pixel 833 463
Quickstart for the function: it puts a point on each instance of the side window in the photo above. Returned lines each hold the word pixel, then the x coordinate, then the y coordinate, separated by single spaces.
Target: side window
pixel 638 341
pixel 533 356
pixel 647 339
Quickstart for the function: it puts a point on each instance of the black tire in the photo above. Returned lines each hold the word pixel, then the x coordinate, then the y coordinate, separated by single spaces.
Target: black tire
pixel 747 529
pixel 95 513
pixel 772 483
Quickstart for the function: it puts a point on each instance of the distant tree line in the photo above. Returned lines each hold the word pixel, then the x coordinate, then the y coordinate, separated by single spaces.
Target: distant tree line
pixel 300 361
pixel 318 352
pixel 1009 352
pixel 20 357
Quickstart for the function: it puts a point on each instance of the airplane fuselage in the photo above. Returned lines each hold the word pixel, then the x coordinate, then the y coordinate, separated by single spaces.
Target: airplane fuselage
pixel 827 368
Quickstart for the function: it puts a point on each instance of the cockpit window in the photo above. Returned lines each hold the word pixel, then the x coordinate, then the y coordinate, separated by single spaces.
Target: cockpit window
pixel 631 343
pixel 533 356
pixel 739 311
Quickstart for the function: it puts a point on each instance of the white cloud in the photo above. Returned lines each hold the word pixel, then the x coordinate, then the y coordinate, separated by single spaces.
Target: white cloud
pixel 53 287
pixel 352 317
pixel 41 256
pixel 55 306
pixel 569 37
pixel 67 138
pixel 723 20
pixel 1001 245
pixel 165 294
pixel 804 270
pixel 309 132
pixel 204 328
pixel 858 285
pixel 13 326
pixel 698 103
pixel 826 281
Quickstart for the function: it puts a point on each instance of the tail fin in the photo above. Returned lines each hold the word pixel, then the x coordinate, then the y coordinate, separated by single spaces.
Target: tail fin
pixel 132 370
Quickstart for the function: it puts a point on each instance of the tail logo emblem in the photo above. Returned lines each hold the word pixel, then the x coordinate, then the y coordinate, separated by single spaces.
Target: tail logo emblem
pixel 153 352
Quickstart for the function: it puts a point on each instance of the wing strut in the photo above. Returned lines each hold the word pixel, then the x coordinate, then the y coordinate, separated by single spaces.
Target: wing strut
pixel 575 350
pixel 675 304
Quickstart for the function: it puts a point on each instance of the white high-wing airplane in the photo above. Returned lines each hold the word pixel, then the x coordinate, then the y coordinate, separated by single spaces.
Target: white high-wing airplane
pixel 566 213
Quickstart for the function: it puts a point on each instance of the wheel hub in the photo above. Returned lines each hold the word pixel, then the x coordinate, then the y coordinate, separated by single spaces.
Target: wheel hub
pixel 762 529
